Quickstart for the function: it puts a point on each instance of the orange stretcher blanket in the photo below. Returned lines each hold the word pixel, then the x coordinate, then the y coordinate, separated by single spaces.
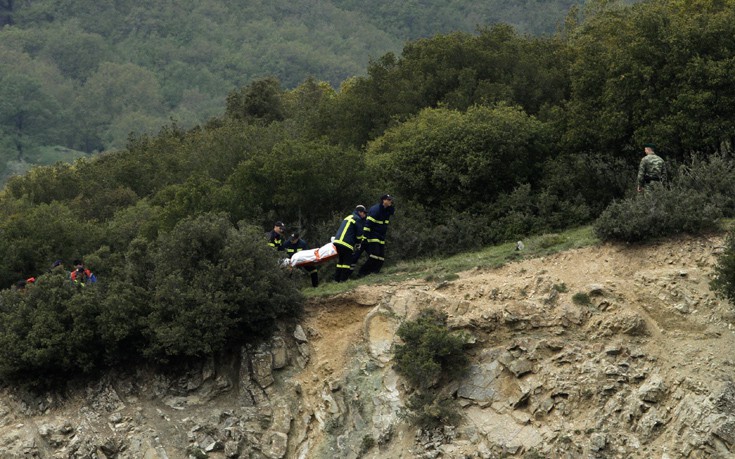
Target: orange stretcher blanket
pixel 313 256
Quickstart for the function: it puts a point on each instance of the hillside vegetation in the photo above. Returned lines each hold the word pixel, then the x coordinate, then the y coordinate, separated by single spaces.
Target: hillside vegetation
pixel 83 74
pixel 483 138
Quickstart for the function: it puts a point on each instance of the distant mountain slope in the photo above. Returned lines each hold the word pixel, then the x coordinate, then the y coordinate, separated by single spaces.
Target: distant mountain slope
pixel 87 73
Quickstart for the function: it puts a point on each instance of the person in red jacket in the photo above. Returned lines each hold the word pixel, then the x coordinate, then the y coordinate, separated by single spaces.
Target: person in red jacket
pixel 82 276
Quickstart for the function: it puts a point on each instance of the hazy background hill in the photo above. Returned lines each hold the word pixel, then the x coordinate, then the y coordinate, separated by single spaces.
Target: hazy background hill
pixel 77 76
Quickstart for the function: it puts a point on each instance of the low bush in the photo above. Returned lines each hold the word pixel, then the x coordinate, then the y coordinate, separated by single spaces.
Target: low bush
pixel 695 197
pixel 581 299
pixel 714 177
pixel 429 411
pixel 430 350
pixel 660 211
pixel 430 355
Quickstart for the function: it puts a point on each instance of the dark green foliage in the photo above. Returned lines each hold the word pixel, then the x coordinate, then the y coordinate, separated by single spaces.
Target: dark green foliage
pixel 691 201
pixel 586 181
pixel 468 157
pixel 298 181
pixel 213 286
pixel 724 280
pixel 429 411
pixel 456 71
pixel 49 330
pixel 430 351
pixel 581 299
pixel 652 72
pixel 713 176
pixel 658 212
pixel 430 355
pixel 418 232
pixel 84 75
pixel 196 290
pixel 34 236
pixel 260 101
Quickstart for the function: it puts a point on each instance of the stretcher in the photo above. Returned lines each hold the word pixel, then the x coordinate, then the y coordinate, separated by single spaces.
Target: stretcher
pixel 312 256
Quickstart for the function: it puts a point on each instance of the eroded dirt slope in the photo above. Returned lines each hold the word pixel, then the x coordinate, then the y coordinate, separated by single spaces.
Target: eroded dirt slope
pixel 639 371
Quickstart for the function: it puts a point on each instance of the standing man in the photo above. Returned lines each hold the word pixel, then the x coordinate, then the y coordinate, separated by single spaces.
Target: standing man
pixel 651 168
pixel 347 237
pixel 275 236
pixel 296 244
pixel 376 228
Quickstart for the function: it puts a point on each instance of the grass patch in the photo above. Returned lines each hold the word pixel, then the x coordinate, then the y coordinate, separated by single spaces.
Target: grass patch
pixel 581 299
pixel 446 269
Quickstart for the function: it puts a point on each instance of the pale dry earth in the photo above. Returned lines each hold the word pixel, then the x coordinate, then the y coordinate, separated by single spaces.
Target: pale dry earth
pixel 645 370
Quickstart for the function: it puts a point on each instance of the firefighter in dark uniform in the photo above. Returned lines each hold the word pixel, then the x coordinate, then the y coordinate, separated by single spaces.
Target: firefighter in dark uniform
pixel 346 240
pixel 275 236
pixel 376 227
pixel 296 244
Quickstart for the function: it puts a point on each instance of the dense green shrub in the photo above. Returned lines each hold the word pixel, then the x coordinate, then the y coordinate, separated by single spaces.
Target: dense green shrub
pixel 430 355
pixel 581 299
pixel 430 351
pixel 428 410
pixel 203 287
pixel 213 285
pixel 713 176
pixel 589 181
pixel 658 212
pixel 35 236
pixel 48 330
pixel 420 231
pixel 467 157
pixel 439 232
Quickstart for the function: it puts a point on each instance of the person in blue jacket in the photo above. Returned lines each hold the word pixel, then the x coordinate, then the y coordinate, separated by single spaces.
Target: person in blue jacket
pixel 295 244
pixel 376 227
pixel 346 240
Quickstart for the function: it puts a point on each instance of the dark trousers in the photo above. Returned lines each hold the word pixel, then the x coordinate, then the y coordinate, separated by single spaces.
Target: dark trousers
pixel 376 258
pixel 314 273
pixel 344 260
pixel 356 256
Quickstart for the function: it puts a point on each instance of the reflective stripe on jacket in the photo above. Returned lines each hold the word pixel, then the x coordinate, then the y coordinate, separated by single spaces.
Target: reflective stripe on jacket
pixel 350 231
pixel 378 218
pixel 293 247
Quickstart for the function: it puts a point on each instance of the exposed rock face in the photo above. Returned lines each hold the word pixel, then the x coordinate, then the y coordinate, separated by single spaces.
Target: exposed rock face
pixel 642 369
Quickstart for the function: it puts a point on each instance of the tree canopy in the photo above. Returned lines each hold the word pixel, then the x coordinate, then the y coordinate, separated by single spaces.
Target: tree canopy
pixel 481 138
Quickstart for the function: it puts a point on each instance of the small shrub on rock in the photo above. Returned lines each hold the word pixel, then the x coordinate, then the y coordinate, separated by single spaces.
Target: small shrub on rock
pixel 430 354
pixel 430 350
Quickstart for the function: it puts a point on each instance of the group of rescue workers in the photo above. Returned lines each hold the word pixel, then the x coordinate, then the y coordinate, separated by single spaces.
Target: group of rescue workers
pixel 364 230
pixel 79 276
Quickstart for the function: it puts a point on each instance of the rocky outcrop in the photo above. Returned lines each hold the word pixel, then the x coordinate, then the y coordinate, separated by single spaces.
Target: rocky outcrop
pixel 597 353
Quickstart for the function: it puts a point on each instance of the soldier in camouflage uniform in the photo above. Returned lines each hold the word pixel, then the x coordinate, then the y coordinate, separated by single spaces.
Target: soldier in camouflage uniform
pixel 651 168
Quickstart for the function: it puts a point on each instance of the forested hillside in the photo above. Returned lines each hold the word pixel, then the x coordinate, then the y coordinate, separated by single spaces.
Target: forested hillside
pixel 482 137
pixel 77 76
